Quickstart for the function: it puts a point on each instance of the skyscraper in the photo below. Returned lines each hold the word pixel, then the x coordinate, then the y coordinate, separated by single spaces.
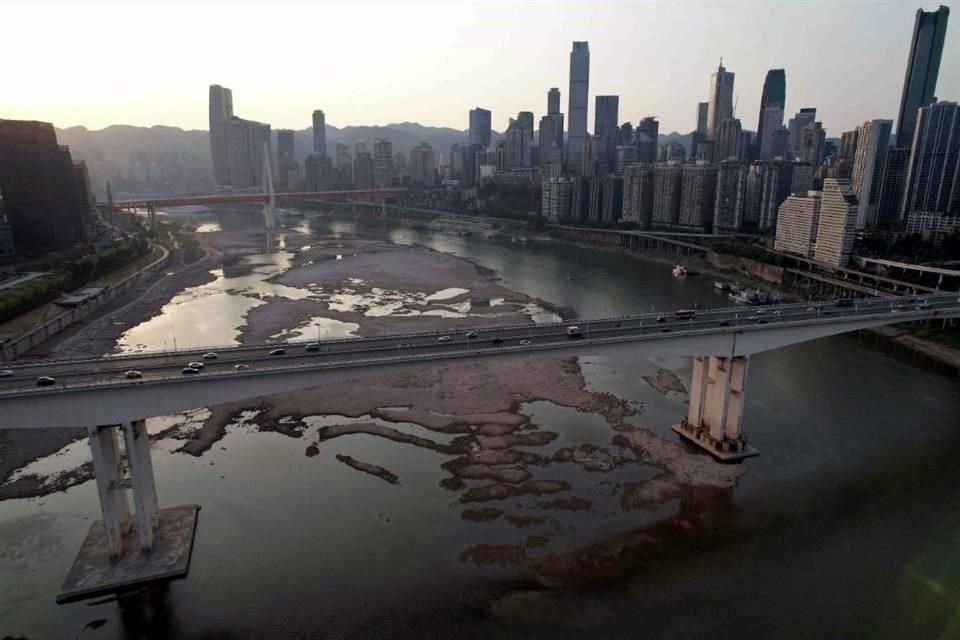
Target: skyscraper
pixel 811 147
pixel 638 194
pixel 772 103
pixel 873 138
pixel 286 161
pixel 730 198
pixel 727 140
pixel 768 185
pixel 45 197
pixel 553 101
pixel 720 102
pixel 319 133
pixel 221 110
pixel 382 163
pixel 934 166
pixel 805 116
pixel 577 106
pixel 697 192
pixel 797 221
pixel 422 165
pixel 703 110
pixel 248 145
pixel 667 179
pixel 480 127
pixel 551 139
pixel 606 116
pixel 923 65
pixel 363 170
pixel 648 136
pixel 837 224
pixel 891 190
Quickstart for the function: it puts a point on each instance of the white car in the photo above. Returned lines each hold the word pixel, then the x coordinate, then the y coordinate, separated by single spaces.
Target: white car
pixel 471 335
pixel 443 339
pixel 210 356
pixel 196 365
pixel 525 343
pixel 6 373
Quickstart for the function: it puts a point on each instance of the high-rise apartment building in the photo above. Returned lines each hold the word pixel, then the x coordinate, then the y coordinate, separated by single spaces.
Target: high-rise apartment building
pixel 606 116
pixel 480 127
pixel 422 165
pixel 891 190
pixel 923 66
pixel 811 146
pixel 612 204
pixel 577 108
pixel 648 140
pixel 773 101
pixel 697 193
pixel 848 144
pixel 363 170
pixel 703 111
pixel 318 172
pixel 344 165
pixel 221 111
pixel 626 156
pixel 805 116
pixel 720 102
pixel 287 167
pixel 730 198
pixel 837 225
pixel 667 186
pixel 769 146
pixel 768 185
pixel 557 194
pixel 551 139
pixel 248 147
pixel 319 133
pixel 638 194
pixel 801 180
pixel 797 222
pixel 44 194
pixel 553 101
pixel 934 166
pixel 595 201
pixel 382 163
pixel 873 138
pixel 727 144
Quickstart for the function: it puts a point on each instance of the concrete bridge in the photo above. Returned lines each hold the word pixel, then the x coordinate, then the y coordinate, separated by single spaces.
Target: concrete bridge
pixel 97 393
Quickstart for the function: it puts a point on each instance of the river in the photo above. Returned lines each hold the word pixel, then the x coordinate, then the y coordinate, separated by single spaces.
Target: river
pixel 847 525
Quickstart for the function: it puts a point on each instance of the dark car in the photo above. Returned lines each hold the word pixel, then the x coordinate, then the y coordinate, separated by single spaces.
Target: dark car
pixel 189 371
pixel 666 330
pixel 497 341
pixel 46 381
pixel 313 346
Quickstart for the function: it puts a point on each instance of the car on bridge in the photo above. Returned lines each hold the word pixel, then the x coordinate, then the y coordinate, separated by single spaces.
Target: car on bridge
pixel 186 371
pixel 574 332
pixel 313 346
pixel 210 356
pixel 443 339
pixel 6 373
pixel 133 374
pixel 46 381
pixel 278 352
pixel 196 365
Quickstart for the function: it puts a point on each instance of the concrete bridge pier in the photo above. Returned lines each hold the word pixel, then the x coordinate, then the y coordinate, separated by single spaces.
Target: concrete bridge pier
pixel 113 558
pixel 714 419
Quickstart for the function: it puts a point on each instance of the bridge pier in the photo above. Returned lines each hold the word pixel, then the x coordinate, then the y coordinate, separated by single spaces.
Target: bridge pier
pixel 111 557
pixel 717 393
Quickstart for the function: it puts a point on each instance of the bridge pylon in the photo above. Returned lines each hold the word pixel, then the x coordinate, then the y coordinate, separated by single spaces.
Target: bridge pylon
pixel 124 550
pixel 714 420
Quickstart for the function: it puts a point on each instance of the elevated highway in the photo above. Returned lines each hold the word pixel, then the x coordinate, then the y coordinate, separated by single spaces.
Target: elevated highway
pixel 258 198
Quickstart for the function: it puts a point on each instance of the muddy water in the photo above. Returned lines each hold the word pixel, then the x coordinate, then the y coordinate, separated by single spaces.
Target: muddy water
pixel 846 525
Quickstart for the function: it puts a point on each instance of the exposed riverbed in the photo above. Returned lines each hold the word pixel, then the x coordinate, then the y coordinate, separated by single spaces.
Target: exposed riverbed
pixel 536 498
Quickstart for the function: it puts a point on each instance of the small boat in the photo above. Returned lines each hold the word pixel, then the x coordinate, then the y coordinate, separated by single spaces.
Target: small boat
pixel 679 271
pixel 721 286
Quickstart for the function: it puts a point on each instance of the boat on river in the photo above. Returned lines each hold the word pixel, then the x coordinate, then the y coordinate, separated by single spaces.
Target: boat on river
pixel 679 271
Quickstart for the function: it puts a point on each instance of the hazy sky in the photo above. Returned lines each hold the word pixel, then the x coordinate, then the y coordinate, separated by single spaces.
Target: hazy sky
pixel 146 62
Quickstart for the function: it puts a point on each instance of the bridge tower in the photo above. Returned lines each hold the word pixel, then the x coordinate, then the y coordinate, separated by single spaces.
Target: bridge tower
pixel 269 220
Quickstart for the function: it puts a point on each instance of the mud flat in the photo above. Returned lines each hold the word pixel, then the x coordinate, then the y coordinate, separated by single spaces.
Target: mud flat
pixel 666 382
pixel 372 469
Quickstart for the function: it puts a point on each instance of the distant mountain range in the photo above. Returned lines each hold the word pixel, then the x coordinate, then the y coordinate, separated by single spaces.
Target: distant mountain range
pixel 171 159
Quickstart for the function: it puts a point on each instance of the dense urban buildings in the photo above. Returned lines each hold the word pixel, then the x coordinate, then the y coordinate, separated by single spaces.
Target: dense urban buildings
pixel 667 186
pixel 577 105
pixel 805 116
pixel 647 139
pixel 727 141
pixel 923 66
pixel 422 165
pixel 638 186
pixel 837 223
pixel 238 147
pixel 479 132
pixel 383 163
pixel 605 127
pixel 697 192
pixel 730 197
pixel 45 195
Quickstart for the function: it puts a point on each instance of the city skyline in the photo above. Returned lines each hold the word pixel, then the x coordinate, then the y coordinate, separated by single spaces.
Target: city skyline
pixel 417 72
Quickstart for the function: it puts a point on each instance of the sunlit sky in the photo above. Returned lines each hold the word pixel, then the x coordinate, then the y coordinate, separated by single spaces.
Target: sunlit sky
pixel 145 62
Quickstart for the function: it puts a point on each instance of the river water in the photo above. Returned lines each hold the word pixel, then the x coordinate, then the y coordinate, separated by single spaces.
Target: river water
pixel 847 525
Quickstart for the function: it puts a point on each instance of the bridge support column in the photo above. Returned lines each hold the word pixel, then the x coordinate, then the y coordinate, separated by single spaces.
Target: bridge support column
pixel 713 420
pixel 108 470
pixel 112 558
pixel 137 442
